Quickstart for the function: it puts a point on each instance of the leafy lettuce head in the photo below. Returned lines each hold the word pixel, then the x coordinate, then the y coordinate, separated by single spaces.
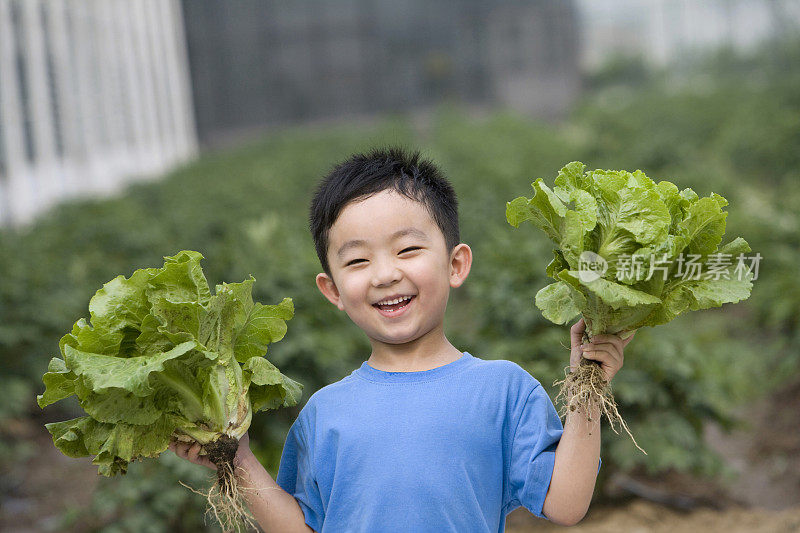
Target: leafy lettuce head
pixel 624 246
pixel 163 358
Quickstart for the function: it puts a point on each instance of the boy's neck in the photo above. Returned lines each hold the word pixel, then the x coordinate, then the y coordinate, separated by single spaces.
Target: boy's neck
pixel 422 354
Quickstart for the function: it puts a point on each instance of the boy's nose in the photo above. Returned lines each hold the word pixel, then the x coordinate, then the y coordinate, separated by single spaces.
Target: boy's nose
pixel 386 274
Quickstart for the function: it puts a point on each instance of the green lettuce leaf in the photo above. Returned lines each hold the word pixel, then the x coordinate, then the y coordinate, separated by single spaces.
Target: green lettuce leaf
pixel 164 358
pixel 645 234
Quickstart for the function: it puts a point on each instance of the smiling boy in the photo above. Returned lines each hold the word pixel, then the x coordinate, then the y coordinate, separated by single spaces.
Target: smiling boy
pixel 422 437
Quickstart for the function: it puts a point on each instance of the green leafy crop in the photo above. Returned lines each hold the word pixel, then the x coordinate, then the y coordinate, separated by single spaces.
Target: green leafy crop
pixel 631 252
pixel 165 359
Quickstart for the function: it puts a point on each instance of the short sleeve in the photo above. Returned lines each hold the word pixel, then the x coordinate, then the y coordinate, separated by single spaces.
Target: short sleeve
pixel 296 476
pixel 533 450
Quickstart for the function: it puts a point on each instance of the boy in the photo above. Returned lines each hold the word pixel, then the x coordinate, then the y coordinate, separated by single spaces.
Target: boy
pixel 422 437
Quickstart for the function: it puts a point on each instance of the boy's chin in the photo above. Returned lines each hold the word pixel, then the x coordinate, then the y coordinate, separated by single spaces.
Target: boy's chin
pixel 392 342
pixel 400 341
pixel 395 341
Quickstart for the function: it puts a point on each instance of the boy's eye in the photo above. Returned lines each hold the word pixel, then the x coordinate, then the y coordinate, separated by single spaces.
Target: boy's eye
pixel 355 261
pixel 409 249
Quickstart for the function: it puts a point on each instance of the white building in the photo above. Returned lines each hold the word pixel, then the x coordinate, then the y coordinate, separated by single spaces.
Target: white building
pixel 93 94
pixel 664 30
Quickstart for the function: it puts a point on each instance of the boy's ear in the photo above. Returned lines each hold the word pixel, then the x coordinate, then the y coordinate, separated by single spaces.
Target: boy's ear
pixel 460 263
pixel 328 288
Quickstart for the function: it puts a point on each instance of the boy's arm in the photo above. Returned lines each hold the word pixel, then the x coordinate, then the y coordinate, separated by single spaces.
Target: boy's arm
pixel 273 508
pixel 575 469
pixel 578 452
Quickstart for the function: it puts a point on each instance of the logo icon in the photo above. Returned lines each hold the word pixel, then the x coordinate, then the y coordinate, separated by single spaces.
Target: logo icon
pixel 591 266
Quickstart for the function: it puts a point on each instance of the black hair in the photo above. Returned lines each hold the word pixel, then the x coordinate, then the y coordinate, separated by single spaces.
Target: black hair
pixel 364 174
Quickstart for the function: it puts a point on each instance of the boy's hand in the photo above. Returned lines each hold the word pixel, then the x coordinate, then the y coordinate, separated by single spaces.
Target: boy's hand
pixel 605 349
pixel 191 452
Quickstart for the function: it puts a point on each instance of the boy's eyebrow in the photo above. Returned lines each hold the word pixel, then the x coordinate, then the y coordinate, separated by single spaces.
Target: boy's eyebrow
pixel 414 232
pixel 350 244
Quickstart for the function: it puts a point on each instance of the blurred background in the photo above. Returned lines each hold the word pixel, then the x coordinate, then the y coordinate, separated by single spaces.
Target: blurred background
pixel 130 130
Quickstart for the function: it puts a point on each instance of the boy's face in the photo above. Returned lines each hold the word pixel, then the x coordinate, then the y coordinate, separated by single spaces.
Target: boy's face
pixel 390 268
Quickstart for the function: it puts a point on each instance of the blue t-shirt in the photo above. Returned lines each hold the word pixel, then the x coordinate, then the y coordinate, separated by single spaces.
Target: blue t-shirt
pixel 454 448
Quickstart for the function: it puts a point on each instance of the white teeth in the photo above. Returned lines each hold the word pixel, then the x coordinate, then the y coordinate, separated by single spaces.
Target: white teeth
pixel 395 301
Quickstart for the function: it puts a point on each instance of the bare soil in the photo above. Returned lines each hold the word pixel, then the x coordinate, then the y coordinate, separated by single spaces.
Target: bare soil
pixel 45 487
pixel 646 517
pixel 763 497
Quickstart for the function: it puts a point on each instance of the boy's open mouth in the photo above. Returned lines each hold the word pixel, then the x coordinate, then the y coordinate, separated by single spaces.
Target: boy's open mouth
pixel 392 307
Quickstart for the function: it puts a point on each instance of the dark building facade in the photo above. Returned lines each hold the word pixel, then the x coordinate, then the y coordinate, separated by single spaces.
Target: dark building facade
pixel 257 63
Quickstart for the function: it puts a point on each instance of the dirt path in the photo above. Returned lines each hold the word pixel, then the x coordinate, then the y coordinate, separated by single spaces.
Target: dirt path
pixel 44 488
pixel 644 517
pixel 766 455
pixel 766 452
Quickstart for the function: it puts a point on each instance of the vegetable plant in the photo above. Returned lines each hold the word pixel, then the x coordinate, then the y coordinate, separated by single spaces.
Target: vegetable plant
pixel 162 358
pixel 629 253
